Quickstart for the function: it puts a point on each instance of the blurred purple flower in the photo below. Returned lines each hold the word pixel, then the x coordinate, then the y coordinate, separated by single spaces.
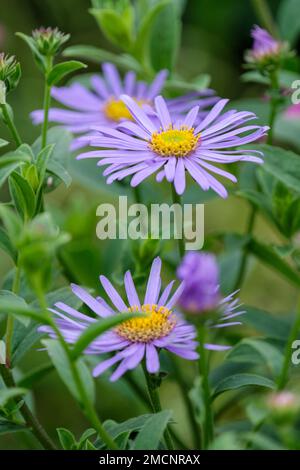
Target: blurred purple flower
pixel 134 339
pixel 171 145
pixel 264 45
pixel 101 105
pixel 293 111
pixel 201 293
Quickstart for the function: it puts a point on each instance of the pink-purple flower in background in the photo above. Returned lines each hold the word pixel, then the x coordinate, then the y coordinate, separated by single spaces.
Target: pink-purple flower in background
pixel 100 104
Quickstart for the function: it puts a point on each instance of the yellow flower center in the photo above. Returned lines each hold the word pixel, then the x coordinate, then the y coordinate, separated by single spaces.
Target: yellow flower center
pixel 158 322
pixel 116 110
pixel 174 142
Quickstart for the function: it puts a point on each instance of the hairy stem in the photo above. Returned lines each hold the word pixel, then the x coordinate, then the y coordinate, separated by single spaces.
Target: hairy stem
pixel 155 402
pixel 208 426
pixel 188 404
pixel 179 230
pixel 87 406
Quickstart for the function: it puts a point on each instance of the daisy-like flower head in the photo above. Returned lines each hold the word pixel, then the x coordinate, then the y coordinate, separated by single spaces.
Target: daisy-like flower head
pixel 102 104
pixel 135 339
pixel 170 146
pixel 201 293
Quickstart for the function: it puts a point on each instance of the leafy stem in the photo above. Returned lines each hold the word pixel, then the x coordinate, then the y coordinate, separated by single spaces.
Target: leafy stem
pixel 30 420
pixel 152 386
pixel 178 230
pixel 47 101
pixel 208 425
pixel 85 401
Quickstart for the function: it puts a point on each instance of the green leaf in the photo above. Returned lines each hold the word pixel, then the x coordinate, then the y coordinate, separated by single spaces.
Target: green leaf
pixel 62 365
pixel 11 222
pixel 269 256
pixel 7 427
pixel 152 432
pixel 24 337
pixel 289 20
pixel 66 438
pixel 7 394
pixel 98 328
pixel 63 69
pixel 8 159
pixel 255 351
pixel 58 170
pixel 261 441
pixel 116 27
pixel 3 143
pixel 42 160
pixel 284 165
pixel 94 54
pixel 6 171
pixel 40 60
pixel 197 84
pixel 242 380
pixel 22 195
pixel 118 429
pixel 165 39
pixel 15 307
pixel 30 379
pixel 8 296
pixel 6 245
pixel 264 322
pixel 144 31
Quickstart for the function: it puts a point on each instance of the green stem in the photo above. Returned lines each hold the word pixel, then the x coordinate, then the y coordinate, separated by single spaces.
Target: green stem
pixel 264 13
pixel 138 390
pixel 30 420
pixel 10 320
pixel 275 90
pixel 11 125
pixel 155 402
pixel 208 426
pixel 47 100
pixel 190 409
pixel 243 267
pixel 46 106
pixel 137 195
pixel 181 243
pixel 85 401
pixel 283 376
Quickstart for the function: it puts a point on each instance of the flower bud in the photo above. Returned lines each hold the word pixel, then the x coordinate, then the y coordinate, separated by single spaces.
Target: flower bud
pixel 10 73
pixel 48 41
pixel 267 52
pixel 284 405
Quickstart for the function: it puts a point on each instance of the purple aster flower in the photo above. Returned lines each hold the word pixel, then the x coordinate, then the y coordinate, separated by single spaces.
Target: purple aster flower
pixel 264 45
pixel 102 104
pixel 170 146
pixel 201 293
pixel 135 339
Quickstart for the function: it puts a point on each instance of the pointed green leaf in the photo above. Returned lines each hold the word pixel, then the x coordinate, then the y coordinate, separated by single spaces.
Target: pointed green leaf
pixel 242 380
pixel 63 69
pixel 7 394
pixel 152 432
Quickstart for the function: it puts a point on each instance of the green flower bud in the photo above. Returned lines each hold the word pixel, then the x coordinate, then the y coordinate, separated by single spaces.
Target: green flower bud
pixel 48 41
pixel 10 73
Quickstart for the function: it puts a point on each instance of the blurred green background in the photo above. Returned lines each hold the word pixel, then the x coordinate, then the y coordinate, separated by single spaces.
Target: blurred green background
pixel 215 36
